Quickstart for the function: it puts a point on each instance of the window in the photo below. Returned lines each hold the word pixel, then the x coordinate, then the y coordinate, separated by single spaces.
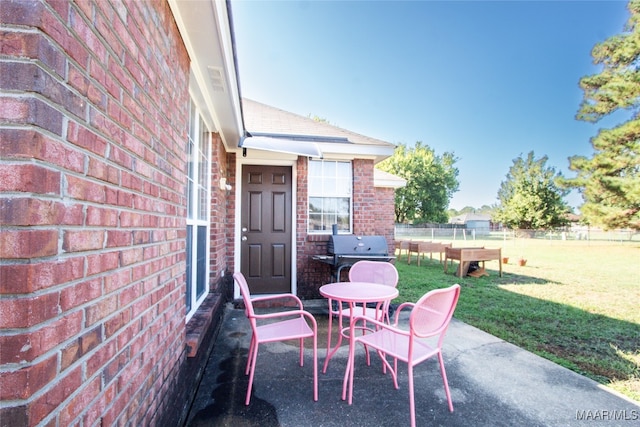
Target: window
pixel 198 183
pixel 330 184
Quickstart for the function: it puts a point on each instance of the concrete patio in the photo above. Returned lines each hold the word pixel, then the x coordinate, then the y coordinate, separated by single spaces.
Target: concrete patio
pixel 493 383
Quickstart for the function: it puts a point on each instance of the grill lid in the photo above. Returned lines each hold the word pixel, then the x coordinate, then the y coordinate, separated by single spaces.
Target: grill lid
pixel 349 244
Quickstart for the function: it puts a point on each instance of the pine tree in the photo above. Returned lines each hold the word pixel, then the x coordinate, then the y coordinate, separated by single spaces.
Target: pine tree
pixel 610 180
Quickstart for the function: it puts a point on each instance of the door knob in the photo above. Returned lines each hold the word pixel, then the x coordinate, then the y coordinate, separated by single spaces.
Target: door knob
pixel 244 238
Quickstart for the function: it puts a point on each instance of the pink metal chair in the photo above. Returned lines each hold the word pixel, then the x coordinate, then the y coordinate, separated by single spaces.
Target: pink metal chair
pixel 298 324
pixel 429 318
pixel 383 273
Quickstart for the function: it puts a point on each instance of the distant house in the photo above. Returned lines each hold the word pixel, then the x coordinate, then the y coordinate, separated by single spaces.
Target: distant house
pixel 134 180
pixel 478 223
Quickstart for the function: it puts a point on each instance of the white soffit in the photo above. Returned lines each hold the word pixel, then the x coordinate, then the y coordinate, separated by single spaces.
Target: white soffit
pixel 205 30
pixel 282 145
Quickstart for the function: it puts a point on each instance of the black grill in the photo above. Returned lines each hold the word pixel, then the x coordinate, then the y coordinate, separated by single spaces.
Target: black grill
pixel 344 250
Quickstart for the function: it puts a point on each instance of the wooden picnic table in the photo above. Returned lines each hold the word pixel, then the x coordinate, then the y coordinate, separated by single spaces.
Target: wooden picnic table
pixel 466 255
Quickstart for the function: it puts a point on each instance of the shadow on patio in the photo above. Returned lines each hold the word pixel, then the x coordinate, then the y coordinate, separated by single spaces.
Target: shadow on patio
pixel 493 383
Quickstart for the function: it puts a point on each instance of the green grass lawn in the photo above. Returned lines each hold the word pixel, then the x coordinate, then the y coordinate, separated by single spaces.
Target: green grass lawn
pixel 576 303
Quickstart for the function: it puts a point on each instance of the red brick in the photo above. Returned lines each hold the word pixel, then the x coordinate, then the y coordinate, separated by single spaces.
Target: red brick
pixel 140 271
pixel 115 323
pixel 86 35
pixel 79 347
pixel 74 47
pixel 31 111
pixel 126 337
pixel 82 240
pixel 130 294
pixel 28 346
pixel 78 80
pixel 85 138
pixel 80 402
pixel 99 216
pixel 23 383
pixel 117 238
pixel 124 198
pixel 26 312
pixel 28 278
pixel 117 280
pixel 131 256
pixel 101 309
pixel 106 125
pixel 103 26
pixel 131 181
pixel 96 409
pixel 14 415
pixel 100 358
pixel 31 211
pixel 122 158
pixel 21 13
pixel 102 262
pixel 61 7
pixel 102 171
pixel 84 189
pixel 141 305
pixel 97 96
pixel 111 370
pixel 130 104
pixel 132 143
pixel 50 400
pixel 28 77
pixel 29 178
pixel 29 144
pixel 80 293
pixel 28 243
pixel 33 46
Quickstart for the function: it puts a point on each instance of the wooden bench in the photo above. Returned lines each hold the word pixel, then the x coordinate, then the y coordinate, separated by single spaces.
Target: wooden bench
pixel 422 248
pixel 466 255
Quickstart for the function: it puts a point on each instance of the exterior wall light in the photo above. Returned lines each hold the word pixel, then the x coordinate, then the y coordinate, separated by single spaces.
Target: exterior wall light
pixel 224 185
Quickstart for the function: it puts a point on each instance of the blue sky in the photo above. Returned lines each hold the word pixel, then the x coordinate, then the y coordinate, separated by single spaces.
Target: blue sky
pixel 486 80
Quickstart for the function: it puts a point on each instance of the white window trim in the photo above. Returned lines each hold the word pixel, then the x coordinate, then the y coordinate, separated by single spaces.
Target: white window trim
pixel 196 223
pixel 351 195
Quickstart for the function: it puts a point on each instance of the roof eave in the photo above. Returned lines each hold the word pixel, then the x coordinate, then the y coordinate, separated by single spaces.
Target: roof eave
pixel 206 31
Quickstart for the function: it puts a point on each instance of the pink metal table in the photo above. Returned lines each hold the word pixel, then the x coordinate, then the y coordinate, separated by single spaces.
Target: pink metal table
pixel 352 293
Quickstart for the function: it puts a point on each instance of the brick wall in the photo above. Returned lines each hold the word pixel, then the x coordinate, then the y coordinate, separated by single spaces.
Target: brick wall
pixel 372 215
pixel 221 234
pixel 94 117
pixel 385 217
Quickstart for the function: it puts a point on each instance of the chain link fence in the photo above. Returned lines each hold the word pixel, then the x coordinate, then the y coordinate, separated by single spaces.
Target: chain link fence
pixel 455 232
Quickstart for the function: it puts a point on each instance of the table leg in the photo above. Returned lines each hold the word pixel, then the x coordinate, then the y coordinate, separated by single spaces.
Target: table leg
pixel 330 351
pixel 463 268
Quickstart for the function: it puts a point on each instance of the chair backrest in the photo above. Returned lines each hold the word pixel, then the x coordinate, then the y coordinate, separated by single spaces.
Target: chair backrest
pixel 380 272
pixel 246 295
pixel 432 313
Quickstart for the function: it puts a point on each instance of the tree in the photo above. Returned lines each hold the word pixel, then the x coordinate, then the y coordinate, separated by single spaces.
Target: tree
pixel 610 181
pixel 530 197
pixel 431 181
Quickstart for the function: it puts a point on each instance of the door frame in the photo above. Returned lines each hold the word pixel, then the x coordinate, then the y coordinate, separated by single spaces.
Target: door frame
pixel 265 161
